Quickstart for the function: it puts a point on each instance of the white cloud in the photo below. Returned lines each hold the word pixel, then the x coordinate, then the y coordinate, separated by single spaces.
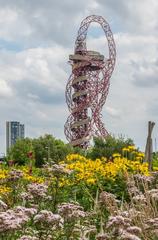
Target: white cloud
pixel 5 90
pixel 113 112
pixel 13 25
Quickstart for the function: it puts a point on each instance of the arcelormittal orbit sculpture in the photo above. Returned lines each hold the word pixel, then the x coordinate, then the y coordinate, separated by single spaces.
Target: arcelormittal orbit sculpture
pixel 88 86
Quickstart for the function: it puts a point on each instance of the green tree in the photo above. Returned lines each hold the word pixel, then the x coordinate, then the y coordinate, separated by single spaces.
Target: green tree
pixel 44 149
pixel 106 147
pixel 19 152
pixel 47 148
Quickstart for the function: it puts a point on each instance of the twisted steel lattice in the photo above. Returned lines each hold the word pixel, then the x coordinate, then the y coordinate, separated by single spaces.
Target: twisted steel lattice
pixel 88 86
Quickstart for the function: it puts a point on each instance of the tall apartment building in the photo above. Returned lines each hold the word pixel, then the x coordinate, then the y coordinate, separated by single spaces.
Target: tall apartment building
pixel 14 131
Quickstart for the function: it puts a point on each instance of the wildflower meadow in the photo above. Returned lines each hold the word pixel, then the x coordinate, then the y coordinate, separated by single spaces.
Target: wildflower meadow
pixel 80 198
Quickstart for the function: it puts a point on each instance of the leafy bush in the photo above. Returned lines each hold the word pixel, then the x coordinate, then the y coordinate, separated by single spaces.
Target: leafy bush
pixel 108 146
pixel 44 149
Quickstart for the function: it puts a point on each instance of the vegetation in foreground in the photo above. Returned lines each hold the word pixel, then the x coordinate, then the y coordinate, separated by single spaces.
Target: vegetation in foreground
pixel 89 196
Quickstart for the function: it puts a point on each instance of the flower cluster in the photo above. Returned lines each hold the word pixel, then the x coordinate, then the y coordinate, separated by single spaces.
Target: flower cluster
pixel 14 219
pixel 47 217
pixel 80 198
pixel 4 190
pixel 91 171
pixel 3 174
pixel 15 174
pixel 120 227
pixel 109 201
pixel 57 169
pixel 132 153
pixel 71 211
pixel 27 237
pixel 38 190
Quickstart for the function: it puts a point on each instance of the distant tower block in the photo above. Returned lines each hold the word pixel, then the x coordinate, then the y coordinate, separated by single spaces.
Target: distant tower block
pixel 88 86
pixel 14 130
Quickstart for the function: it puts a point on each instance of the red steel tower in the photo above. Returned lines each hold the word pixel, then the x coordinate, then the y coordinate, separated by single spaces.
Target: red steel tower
pixel 88 86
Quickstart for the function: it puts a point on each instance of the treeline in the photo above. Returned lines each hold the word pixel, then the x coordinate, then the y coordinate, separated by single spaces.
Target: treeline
pixel 47 148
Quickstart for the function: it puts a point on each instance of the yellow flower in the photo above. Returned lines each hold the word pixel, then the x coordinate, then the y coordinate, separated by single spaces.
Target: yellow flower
pixel 3 173
pixel 91 171
pixel 131 148
pixel 33 178
pixel 64 182
pixel 74 157
pixel 116 155
pixel 91 181
pixel 4 190
pixel 141 154
pixel 125 149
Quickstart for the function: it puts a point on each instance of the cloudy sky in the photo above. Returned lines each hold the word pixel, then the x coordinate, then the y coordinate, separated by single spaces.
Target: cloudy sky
pixel 36 37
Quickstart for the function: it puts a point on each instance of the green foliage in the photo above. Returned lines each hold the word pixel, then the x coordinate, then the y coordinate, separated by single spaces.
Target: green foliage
pixel 45 148
pixel 78 150
pixel 19 152
pixel 106 147
pixel 155 159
